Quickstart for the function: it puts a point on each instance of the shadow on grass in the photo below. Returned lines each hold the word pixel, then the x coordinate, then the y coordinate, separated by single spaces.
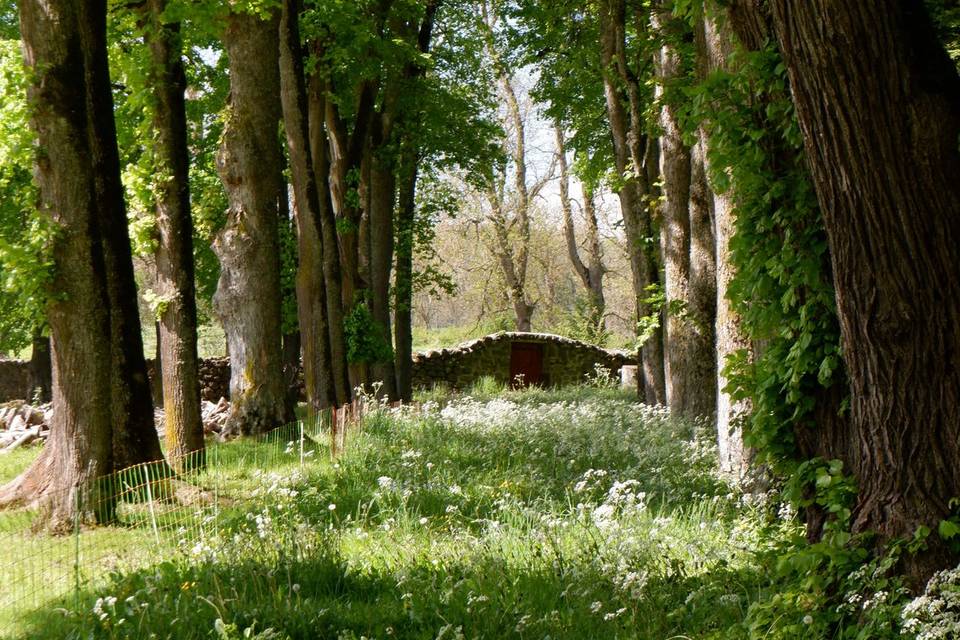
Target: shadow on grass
pixel 478 595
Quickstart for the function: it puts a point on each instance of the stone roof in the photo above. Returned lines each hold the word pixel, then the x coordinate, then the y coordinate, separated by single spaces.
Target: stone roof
pixel 522 336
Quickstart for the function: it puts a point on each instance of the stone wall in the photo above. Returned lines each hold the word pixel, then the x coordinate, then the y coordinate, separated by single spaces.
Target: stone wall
pixel 214 379
pixel 565 361
pixel 14 380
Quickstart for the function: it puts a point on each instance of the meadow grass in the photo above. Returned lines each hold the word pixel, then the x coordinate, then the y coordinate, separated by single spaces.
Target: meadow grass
pixel 156 518
pixel 539 514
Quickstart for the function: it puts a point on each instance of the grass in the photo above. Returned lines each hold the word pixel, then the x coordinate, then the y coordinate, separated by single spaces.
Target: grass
pixel 45 571
pixel 560 514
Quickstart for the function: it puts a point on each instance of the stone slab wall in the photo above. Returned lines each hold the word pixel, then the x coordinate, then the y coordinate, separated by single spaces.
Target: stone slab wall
pixel 565 361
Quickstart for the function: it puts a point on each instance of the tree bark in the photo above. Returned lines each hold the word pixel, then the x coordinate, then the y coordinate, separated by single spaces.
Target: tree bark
pixel 312 311
pixel 680 332
pixel 878 101
pixel 715 46
pixel 702 296
pixel 177 339
pixel 291 370
pixel 103 418
pixel 408 173
pixel 248 299
pixel 631 148
pixel 345 157
pixel 332 271
pixel 382 199
pixel 403 279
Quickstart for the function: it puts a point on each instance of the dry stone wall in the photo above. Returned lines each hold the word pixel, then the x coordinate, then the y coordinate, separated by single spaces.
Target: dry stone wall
pixel 14 380
pixel 565 361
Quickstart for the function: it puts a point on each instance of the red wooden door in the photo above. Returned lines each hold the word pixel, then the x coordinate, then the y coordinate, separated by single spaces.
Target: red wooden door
pixel 526 364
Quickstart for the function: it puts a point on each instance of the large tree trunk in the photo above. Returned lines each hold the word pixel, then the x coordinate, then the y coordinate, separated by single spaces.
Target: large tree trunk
pixel 408 172
pixel 319 153
pixel 687 238
pixel 680 334
pixel 879 105
pixel 178 362
pixel 103 417
pixel 41 372
pixel 715 48
pixel 248 299
pixel 636 192
pixel 311 286
pixel 345 155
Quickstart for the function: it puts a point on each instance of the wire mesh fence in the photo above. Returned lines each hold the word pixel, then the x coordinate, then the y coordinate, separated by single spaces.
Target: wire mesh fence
pixel 143 514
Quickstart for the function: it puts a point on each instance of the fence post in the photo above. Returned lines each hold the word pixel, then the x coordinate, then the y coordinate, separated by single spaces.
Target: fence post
pixel 76 545
pixel 153 513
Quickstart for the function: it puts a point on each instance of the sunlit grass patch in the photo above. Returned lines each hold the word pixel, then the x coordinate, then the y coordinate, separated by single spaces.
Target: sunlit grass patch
pixel 577 514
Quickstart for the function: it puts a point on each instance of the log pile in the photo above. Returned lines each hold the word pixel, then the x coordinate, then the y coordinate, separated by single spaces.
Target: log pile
pixel 22 424
pixel 212 414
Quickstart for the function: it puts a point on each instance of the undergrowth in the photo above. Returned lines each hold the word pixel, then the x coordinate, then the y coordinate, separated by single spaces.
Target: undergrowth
pixel 538 514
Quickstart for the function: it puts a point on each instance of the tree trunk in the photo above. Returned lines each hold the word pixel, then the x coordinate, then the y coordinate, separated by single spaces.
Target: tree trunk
pixel 345 155
pixel 177 364
pixel 512 253
pixel 595 267
pixel 680 332
pixel 702 296
pixel 41 374
pixel 247 300
pixel 590 273
pixel 291 370
pixel 312 309
pixel 319 154
pixel 716 46
pixel 403 280
pixel 103 418
pixel 382 197
pixel 156 383
pixel 636 191
pixel 408 172
pixel 879 105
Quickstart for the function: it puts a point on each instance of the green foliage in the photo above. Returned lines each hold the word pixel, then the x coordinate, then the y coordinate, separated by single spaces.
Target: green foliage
pixel 436 199
pixel 26 261
pixel 585 322
pixel 562 40
pixel 207 83
pixel 946 20
pixel 365 340
pixel 783 286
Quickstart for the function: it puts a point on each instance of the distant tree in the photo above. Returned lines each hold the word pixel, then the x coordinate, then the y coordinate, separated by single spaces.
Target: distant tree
pixel 509 199
pixel 590 272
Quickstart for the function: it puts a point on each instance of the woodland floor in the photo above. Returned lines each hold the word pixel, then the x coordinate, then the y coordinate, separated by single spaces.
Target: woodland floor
pixel 496 514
